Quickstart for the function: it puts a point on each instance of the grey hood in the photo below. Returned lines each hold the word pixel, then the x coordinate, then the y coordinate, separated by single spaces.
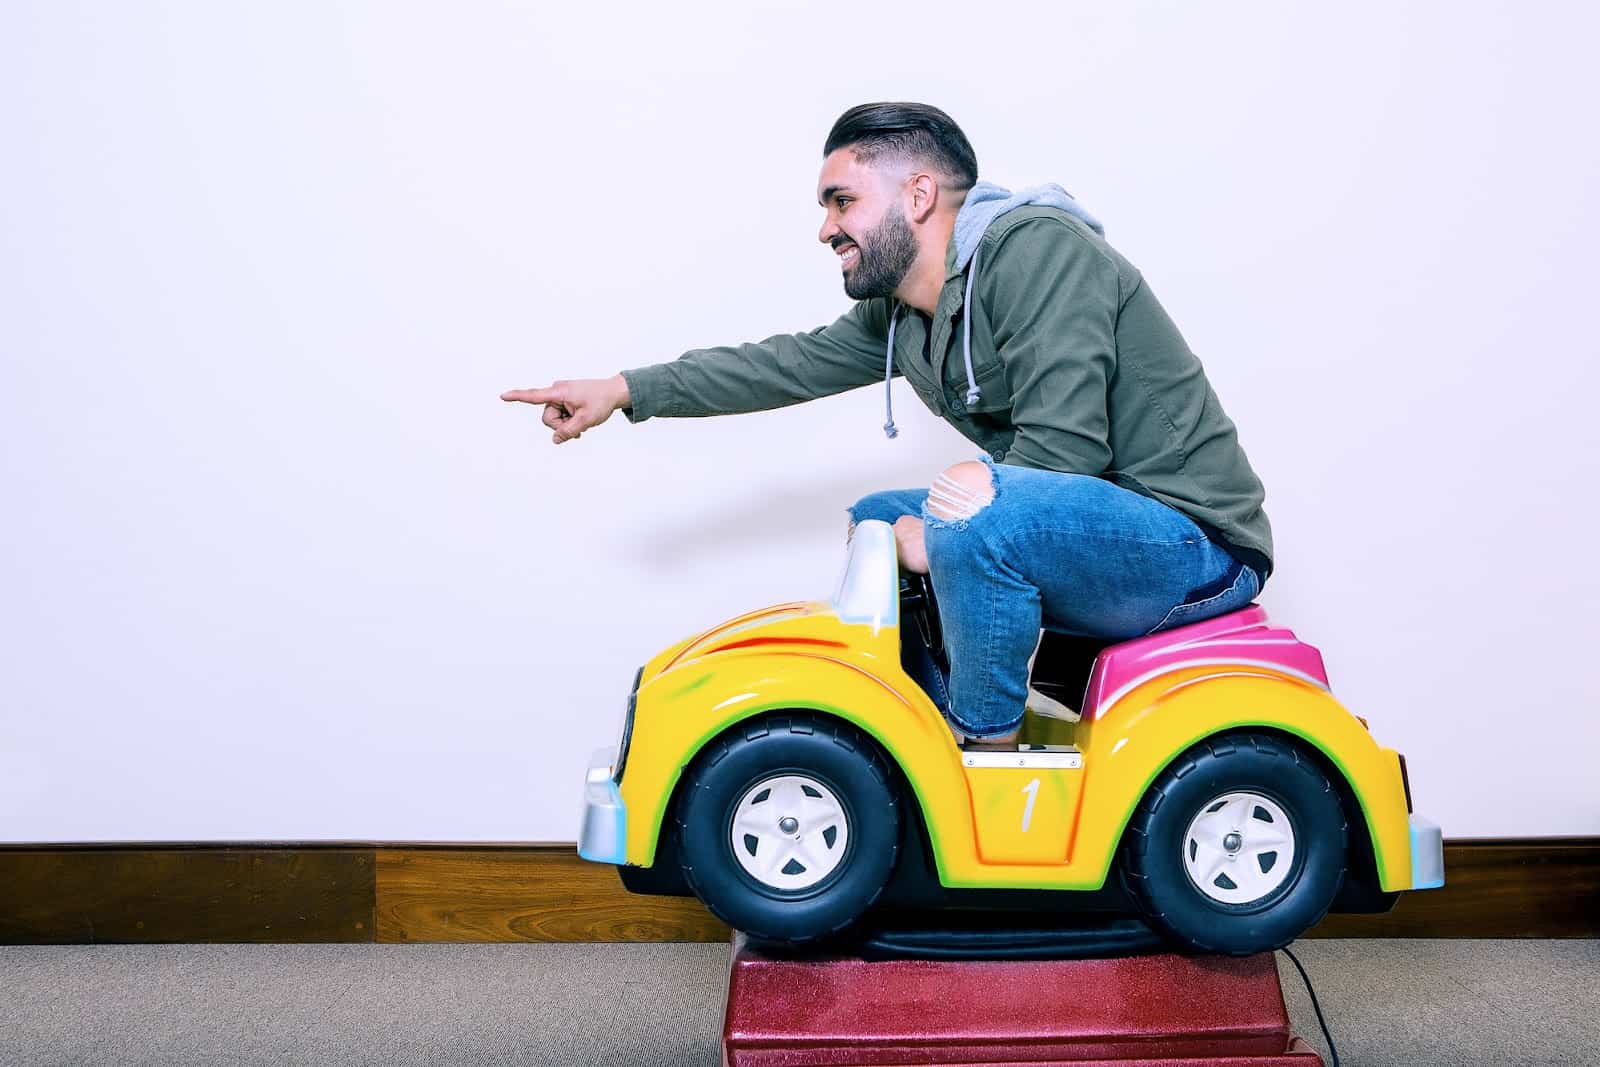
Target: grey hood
pixel 985 202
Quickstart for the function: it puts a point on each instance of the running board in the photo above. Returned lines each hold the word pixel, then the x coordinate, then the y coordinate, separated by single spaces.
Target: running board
pixel 1055 757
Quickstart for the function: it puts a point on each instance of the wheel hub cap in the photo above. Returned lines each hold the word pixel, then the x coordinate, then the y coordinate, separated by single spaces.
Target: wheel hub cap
pixel 789 831
pixel 1239 848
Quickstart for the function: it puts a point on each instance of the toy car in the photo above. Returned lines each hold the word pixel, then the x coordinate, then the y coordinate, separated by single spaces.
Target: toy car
pixel 785 768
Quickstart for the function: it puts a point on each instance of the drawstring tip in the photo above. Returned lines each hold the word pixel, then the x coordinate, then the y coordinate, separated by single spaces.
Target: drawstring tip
pixel 972 396
pixel 889 431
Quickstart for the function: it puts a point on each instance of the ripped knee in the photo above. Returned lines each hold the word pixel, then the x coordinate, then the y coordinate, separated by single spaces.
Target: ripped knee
pixel 961 491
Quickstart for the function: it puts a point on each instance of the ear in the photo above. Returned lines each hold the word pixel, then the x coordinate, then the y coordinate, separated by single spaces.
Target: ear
pixel 922 196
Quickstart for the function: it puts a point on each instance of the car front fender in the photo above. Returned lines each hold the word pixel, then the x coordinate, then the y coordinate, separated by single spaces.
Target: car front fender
pixel 682 710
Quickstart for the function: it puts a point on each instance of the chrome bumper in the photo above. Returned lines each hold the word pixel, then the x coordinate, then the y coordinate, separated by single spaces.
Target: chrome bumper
pixel 605 836
pixel 1427 853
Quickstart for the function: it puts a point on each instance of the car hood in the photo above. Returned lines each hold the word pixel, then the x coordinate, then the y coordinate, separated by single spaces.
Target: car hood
pixel 866 595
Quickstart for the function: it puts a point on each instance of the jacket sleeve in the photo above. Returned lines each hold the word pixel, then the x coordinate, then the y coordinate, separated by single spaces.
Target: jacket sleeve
pixel 761 375
pixel 1053 300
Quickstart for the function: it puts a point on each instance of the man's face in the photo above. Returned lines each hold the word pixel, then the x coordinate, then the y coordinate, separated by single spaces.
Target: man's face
pixel 865 224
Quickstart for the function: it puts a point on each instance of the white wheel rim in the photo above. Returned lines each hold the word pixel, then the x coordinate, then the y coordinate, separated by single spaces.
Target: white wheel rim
pixel 1239 848
pixel 789 832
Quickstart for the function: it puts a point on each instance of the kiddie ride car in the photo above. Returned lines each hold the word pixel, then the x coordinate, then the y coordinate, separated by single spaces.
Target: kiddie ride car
pixel 785 768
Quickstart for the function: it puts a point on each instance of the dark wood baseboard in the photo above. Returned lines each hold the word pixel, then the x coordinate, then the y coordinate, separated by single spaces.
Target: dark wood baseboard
pixel 398 893
pixel 523 894
pixel 75 894
pixel 1534 887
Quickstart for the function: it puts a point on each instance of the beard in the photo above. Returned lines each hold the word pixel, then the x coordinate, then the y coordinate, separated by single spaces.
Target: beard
pixel 886 257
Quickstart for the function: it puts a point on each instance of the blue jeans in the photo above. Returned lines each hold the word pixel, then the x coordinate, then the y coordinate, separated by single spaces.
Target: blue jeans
pixel 1063 552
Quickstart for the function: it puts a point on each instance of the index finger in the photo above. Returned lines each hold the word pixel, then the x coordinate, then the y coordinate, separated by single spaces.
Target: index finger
pixel 532 396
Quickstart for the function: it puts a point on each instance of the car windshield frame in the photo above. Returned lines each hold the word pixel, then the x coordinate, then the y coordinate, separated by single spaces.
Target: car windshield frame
pixel 868 590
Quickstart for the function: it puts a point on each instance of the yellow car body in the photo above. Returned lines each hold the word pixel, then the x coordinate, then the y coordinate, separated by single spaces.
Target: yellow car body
pixel 1051 820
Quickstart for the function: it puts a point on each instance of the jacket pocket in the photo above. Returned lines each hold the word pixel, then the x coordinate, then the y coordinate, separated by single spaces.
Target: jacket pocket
pixel 993 392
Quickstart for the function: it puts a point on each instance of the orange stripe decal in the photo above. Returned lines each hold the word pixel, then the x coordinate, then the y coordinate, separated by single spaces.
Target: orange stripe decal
pixel 755 642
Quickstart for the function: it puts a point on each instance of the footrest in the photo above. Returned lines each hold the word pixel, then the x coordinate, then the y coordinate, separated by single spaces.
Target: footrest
pixel 1161 1009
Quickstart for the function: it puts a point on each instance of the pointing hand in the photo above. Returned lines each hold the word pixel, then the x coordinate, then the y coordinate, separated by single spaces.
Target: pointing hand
pixel 571 407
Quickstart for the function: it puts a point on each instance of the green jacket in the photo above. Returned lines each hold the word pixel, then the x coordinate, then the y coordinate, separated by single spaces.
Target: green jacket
pixel 1079 369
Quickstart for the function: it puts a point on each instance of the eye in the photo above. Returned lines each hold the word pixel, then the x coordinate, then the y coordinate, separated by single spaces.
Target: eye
pixel 841 201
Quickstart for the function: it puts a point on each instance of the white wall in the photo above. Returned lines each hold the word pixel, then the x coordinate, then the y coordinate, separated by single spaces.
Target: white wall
pixel 277 564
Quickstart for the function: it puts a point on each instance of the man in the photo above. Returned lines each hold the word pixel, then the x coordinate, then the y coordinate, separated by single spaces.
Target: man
pixel 1112 498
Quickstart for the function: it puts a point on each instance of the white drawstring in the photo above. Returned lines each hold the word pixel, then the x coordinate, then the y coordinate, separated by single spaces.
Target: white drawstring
pixel 966 330
pixel 888 375
pixel 889 430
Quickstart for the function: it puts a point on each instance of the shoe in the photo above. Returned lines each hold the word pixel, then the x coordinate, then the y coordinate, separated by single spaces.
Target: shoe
pixel 972 744
pixel 1049 708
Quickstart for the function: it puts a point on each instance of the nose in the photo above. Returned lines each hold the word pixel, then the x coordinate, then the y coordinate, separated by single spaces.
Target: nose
pixel 829 230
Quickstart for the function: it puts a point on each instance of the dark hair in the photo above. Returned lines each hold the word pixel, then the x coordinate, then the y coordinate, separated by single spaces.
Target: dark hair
pixel 915 131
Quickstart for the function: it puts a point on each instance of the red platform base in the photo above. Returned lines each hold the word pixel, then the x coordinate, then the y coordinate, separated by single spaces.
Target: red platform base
pixel 1161 1010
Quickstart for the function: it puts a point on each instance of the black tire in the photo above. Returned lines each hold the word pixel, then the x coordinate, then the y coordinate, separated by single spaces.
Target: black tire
pixel 1211 786
pixel 840 764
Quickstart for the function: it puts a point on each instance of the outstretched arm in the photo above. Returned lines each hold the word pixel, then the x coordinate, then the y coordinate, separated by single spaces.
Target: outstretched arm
pixel 758 376
pixel 782 370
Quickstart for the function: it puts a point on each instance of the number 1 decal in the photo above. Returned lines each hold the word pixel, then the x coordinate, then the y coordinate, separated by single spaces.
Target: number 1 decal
pixel 1032 789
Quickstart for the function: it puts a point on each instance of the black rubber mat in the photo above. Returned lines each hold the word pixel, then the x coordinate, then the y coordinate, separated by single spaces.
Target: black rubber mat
pixel 999 939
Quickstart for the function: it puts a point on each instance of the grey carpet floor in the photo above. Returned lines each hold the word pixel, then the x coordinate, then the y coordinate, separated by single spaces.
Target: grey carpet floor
pixel 1388 1002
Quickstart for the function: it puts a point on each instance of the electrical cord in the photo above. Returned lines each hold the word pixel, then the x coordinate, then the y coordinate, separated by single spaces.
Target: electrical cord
pixel 1332 1051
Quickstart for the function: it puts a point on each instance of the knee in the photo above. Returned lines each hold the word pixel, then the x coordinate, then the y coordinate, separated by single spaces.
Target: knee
pixel 885 505
pixel 961 491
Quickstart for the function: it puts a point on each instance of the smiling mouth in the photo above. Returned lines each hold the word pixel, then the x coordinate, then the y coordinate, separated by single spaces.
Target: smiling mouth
pixel 849 255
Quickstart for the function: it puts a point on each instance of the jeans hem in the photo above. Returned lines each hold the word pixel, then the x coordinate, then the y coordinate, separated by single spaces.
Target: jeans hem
pixel 992 732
